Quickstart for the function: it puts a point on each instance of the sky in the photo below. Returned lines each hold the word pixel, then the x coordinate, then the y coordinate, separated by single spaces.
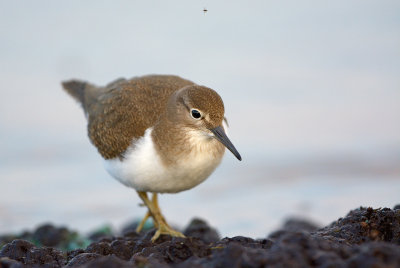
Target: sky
pixel 311 90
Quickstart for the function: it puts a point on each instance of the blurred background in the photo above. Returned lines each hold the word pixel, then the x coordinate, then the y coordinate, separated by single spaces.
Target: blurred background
pixel 311 89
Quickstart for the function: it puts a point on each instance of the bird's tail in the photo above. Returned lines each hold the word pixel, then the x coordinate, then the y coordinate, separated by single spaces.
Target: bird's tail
pixel 76 89
pixel 87 94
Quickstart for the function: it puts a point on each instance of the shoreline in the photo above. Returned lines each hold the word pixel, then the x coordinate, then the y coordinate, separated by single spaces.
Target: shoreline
pixel 363 238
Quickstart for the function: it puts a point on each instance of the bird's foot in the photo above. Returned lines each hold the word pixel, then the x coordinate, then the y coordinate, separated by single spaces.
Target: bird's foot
pixel 164 229
pixel 159 221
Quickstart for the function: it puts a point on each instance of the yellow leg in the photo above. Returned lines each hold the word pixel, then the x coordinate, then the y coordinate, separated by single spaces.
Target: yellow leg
pixel 154 200
pixel 141 224
pixel 155 203
pixel 154 211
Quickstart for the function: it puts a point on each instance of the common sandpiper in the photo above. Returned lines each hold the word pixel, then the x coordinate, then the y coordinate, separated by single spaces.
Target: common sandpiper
pixel 156 133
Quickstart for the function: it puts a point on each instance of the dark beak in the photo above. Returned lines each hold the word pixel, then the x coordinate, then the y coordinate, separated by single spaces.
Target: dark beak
pixel 221 136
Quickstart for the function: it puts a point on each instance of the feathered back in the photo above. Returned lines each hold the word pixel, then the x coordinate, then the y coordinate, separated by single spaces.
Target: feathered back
pixel 122 111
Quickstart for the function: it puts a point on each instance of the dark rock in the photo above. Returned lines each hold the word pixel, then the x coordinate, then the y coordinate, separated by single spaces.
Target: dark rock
pixel 302 249
pixel 10 263
pixel 73 253
pixel 131 234
pixel 233 255
pixel 131 227
pixel 101 248
pixel 26 253
pixel 244 242
pixel 366 237
pixel 200 229
pixel 108 262
pixel 101 233
pixel 106 239
pixel 150 262
pixel 366 224
pixel 50 257
pixel 5 239
pixel 123 249
pixel 175 251
pixel 82 259
pixel 376 254
pixel 299 225
pixel 16 250
pixel 50 236
pixel 294 225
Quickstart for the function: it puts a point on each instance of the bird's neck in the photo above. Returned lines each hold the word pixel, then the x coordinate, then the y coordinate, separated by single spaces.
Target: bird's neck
pixel 176 143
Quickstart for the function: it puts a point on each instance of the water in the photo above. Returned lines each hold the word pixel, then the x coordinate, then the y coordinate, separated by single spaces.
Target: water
pixel 311 90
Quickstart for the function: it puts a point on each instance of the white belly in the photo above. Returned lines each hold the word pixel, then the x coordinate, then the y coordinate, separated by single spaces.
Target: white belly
pixel 143 170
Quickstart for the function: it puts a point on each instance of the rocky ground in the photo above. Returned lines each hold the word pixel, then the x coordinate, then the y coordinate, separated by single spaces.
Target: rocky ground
pixel 365 237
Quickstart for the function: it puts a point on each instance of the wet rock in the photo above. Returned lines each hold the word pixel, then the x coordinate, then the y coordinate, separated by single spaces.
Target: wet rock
pixel 16 250
pixel 101 233
pixel 82 259
pixel 101 248
pixel 294 225
pixel 50 236
pixel 10 263
pixel 233 255
pixel 5 239
pixel 376 254
pixel 123 249
pixel 132 235
pixel 365 237
pixel 244 242
pixel 108 262
pixel 200 229
pixel 131 227
pixel 364 225
pixel 28 254
pixel 299 225
pixel 175 251
pixel 73 253
pixel 302 249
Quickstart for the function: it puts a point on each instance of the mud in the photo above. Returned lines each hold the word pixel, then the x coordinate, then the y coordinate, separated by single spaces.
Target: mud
pixel 365 237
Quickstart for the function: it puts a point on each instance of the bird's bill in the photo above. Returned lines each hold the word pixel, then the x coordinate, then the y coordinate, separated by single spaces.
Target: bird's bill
pixel 220 135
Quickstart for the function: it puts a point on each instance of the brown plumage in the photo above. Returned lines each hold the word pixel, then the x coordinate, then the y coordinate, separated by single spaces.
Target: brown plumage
pixel 121 111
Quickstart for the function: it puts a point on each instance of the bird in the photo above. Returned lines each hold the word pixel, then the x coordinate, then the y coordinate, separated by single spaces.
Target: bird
pixel 156 134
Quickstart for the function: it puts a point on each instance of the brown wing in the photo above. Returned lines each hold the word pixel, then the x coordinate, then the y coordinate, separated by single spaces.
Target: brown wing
pixel 124 110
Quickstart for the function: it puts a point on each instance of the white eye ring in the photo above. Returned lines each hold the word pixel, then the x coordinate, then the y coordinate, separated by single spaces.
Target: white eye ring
pixel 195 114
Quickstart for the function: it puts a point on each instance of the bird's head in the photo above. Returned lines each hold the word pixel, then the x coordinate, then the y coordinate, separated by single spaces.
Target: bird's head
pixel 201 109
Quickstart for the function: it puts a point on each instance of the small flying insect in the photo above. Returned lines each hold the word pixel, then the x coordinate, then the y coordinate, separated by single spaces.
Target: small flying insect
pixel 205 10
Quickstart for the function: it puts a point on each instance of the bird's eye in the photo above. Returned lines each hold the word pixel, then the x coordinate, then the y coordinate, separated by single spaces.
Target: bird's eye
pixel 195 114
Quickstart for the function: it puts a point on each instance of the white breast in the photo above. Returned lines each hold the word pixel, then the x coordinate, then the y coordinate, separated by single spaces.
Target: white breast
pixel 143 170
